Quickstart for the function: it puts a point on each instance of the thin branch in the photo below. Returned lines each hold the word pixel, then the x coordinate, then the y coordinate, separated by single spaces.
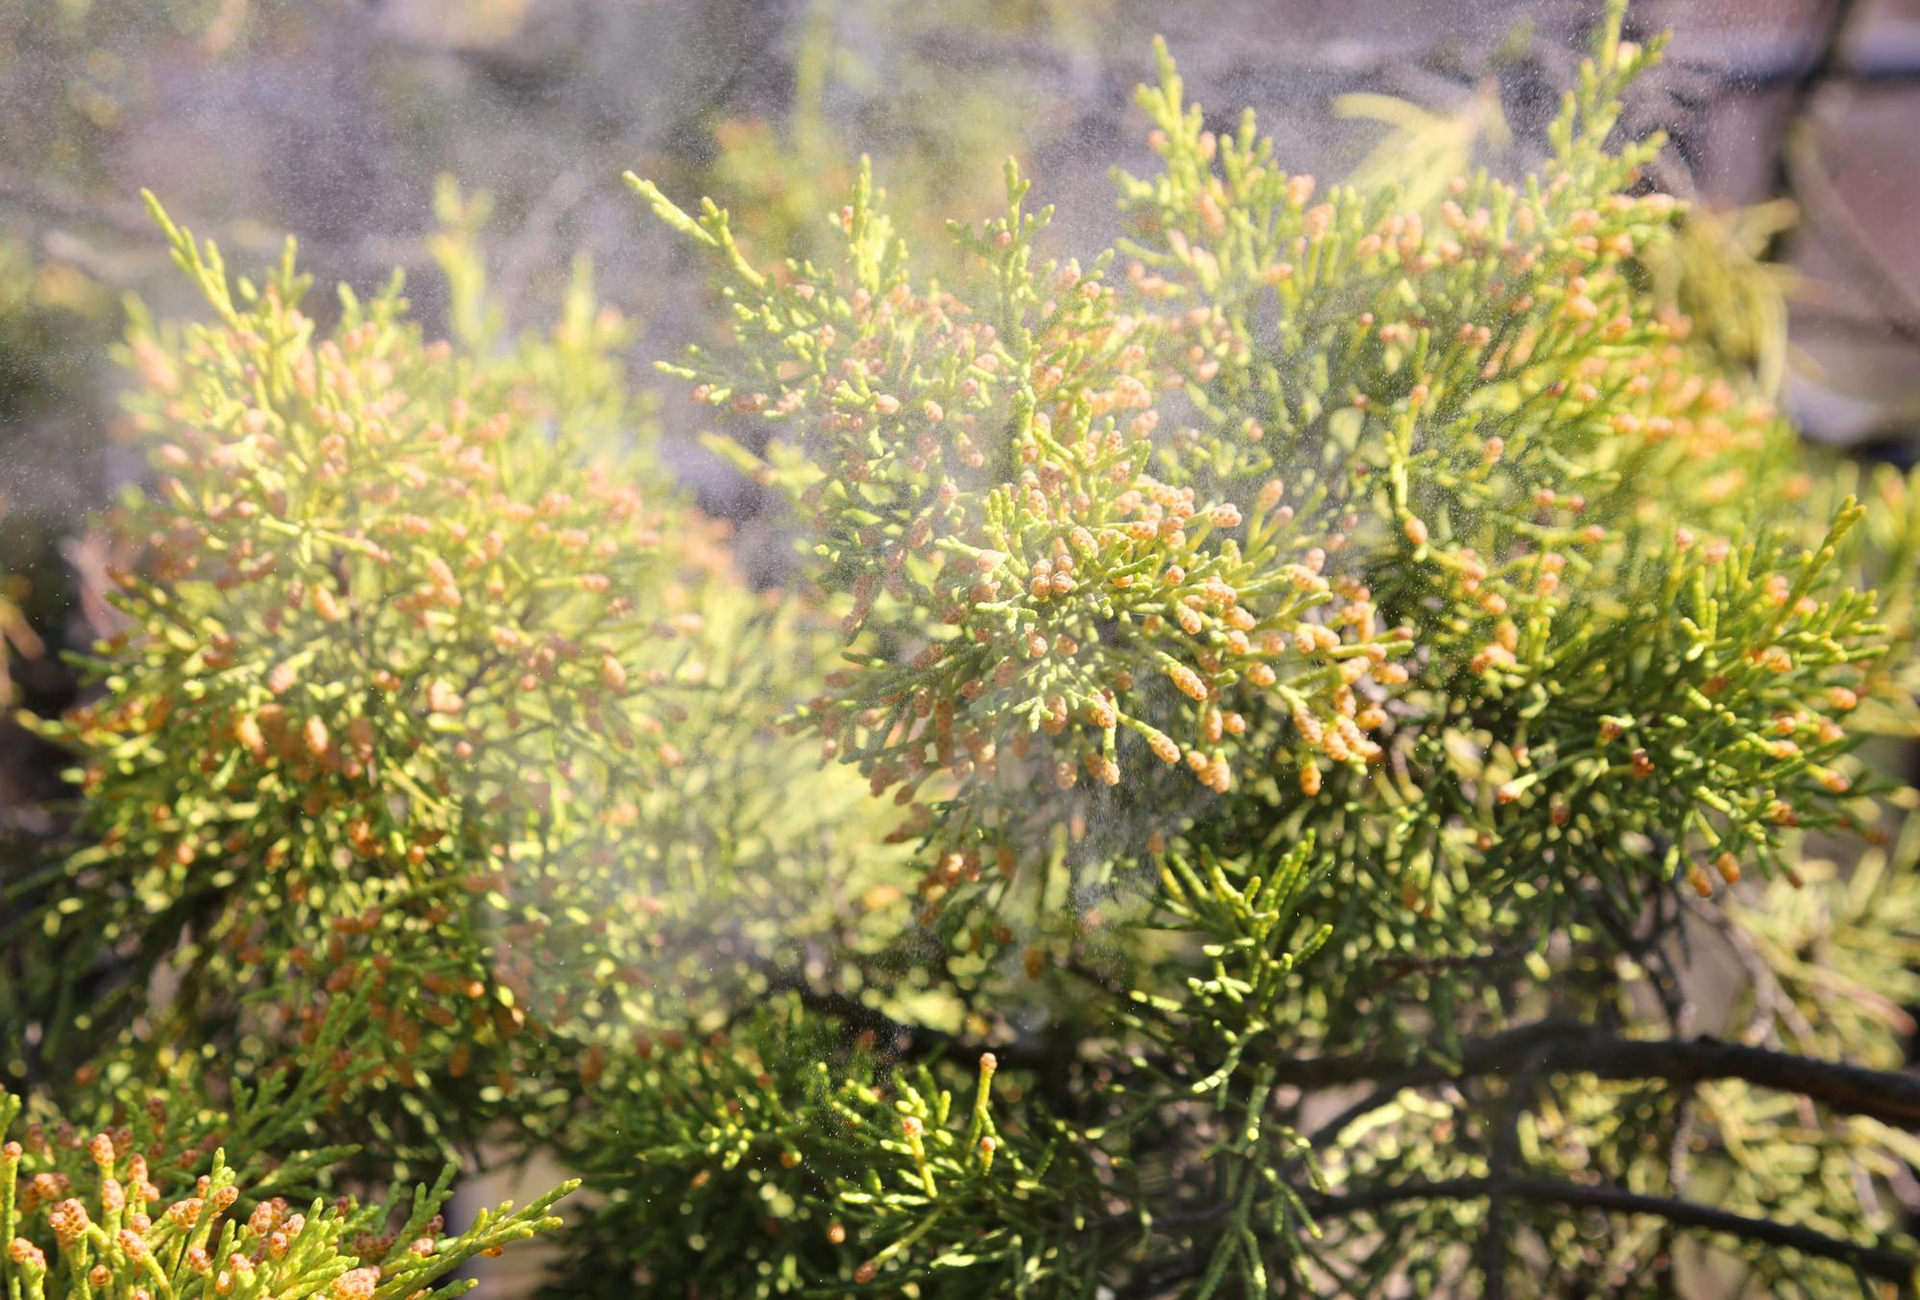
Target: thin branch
pixel 1888 1096
pixel 1482 1056
pixel 1506 1154
pixel 1878 1261
pixel 1570 1047
pixel 903 1040
pixel 1139 1005
pixel 1395 969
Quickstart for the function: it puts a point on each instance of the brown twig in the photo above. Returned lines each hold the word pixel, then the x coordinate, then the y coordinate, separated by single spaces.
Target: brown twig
pixel 1395 969
pixel 1574 1048
pixel 1877 1261
pixel 902 1040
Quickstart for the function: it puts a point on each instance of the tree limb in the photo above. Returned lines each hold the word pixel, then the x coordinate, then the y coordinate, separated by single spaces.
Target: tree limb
pixel 903 1040
pixel 1570 1047
pixel 1878 1261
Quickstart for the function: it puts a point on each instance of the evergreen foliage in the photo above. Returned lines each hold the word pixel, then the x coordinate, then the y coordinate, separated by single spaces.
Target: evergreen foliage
pixel 423 683
pixel 146 1226
pixel 123 1193
pixel 1316 671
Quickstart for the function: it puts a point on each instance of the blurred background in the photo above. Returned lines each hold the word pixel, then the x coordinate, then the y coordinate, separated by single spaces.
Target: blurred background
pixel 363 127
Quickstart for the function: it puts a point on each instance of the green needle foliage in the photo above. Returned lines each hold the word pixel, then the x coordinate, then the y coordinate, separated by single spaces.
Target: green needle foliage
pixel 785 1156
pixel 149 1185
pixel 1424 540
pixel 429 685
pixel 1427 532
pixel 1354 691
pixel 127 1236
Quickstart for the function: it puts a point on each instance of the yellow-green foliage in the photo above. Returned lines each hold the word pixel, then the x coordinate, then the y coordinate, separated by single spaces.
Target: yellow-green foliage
pixel 1421 540
pixel 1323 662
pixel 117 1214
pixel 1097 609
pixel 424 665
pixel 121 1190
pixel 1430 530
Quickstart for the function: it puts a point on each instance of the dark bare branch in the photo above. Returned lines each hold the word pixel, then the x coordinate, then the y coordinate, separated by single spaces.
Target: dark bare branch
pixel 1569 1047
pixel 1877 1261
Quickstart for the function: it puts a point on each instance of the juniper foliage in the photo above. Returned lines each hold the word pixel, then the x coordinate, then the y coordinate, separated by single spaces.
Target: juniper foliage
pixel 424 682
pixel 128 1234
pixel 1318 672
pixel 1427 543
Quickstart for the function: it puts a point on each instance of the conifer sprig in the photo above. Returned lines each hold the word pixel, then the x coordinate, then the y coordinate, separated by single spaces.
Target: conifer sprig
pixel 1322 667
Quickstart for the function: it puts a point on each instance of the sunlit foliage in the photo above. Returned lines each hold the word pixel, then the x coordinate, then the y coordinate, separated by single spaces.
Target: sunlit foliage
pixel 1265 715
